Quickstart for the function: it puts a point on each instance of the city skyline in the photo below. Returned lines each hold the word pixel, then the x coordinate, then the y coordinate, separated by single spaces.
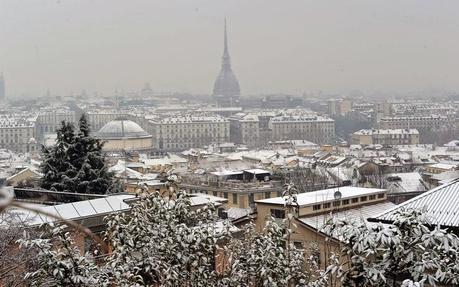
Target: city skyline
pixel 332 47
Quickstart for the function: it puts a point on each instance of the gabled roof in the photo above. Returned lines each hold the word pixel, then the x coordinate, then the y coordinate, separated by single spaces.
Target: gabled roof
pixel 440 204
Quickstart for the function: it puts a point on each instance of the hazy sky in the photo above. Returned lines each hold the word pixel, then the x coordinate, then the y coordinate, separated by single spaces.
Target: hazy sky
pixel 276 46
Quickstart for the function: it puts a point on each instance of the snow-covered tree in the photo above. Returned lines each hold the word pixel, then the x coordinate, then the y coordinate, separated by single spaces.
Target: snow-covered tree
pixel 268 258
pixel 76 162
pixel 60 261
pixel 13 261
pixel 408 252
pixel 164 242
pixel 167 242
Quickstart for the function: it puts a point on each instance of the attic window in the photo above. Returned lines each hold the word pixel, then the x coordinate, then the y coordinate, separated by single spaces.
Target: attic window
pixel 316 207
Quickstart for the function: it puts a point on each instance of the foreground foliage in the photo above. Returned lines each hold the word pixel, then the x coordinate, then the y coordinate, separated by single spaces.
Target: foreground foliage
pixel 164 242
pixel 407 252
pixel 168 242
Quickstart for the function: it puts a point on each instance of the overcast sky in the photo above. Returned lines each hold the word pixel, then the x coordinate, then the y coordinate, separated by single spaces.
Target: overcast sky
pixel 276 46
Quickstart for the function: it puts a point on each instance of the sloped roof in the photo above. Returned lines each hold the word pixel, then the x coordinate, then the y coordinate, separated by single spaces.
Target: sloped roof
pixel 77 210
pixel 440 205
pixel 406 182
pixel 361 212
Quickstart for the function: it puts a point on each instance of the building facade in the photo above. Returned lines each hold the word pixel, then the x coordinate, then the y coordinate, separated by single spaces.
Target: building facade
pixel 416 122
pixel 317 129
pixel 50 120
pixel 184 132
pixel 245 129
pixel 17 133
pixel 386 137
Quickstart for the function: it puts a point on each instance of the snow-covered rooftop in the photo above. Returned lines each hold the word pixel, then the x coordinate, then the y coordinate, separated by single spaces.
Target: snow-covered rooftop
pixel 439 204
pixel 319 196
pixel 361 212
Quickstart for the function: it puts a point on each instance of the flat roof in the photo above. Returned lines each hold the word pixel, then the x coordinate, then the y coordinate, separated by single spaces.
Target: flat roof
pixel 325 195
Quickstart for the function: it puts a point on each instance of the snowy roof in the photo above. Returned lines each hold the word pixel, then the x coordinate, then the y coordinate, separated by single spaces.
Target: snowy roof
pixel 440 205
pixel 406 182
pixel 300 118
pixel 319 196
pixel 28 169
pixel 122 129
pixel 227 172
pixel 257 171
pixel 362 212
pixel 201 199
pixel 235 213
pixel 445 166
pixel 386 131
pixel 77 210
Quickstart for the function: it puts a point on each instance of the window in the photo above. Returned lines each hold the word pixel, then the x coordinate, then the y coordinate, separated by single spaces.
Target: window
pixel 225 194
pixel 278 213
pixel 215 193
pixel 345 201
pixel 316 207
pixel 235 198
pixel 363 198
pixel 336 203
pixel 267 194
pixel 251 198
pixel 355 200
pixel 381 195
pixel 327 205
pixel 372 197
pixel 298 244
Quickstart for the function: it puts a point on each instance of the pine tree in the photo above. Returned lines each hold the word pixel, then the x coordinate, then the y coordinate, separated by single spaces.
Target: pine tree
pixel 56 166
pixel 76 163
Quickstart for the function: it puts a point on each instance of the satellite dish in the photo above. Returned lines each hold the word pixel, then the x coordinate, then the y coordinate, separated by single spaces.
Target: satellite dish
pixel 337 195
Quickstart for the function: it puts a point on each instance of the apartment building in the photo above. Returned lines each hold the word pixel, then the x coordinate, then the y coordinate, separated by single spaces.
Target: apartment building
pixel 386 137
pixel 183 132
pixel 416 122
pixel 245 129
pixel 18 132
pixel 317 129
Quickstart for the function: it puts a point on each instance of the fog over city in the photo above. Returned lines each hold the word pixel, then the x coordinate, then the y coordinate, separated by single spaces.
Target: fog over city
pixel 339 47
pixel 237 143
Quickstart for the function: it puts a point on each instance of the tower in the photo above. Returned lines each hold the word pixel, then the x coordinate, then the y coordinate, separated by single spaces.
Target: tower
pixel 2 87
pixel 226 87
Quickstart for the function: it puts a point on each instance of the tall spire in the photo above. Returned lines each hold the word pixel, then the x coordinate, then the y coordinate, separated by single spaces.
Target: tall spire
pixel 226 62
pixel 226 86
pixel 225 51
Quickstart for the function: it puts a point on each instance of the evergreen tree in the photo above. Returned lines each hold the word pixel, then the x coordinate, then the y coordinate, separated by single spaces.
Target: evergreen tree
pixel 76 163
pixel 56 166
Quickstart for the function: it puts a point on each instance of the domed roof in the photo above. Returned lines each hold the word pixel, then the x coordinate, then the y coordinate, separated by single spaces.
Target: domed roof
pixel 226 84
pixel 121 128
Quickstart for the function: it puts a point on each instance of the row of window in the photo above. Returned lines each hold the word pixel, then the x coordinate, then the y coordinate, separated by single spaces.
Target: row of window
pixel 346 201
